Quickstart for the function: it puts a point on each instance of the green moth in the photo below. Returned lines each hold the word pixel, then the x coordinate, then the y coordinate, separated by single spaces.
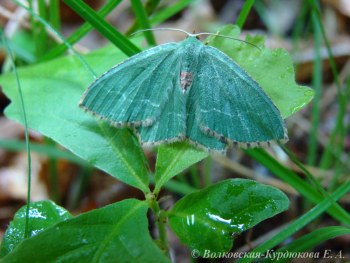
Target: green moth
pixel 186 91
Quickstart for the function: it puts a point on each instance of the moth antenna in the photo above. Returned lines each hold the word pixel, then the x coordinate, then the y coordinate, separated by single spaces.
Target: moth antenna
pixel 218 35
pixel 155 29
pixel 196 35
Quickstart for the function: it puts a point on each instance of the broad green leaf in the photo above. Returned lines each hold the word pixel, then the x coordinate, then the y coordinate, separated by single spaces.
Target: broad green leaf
pixel 115 233
pixel 272 69
pixel 307 242
pixel 210 218
pixel 42 215
pixel 52 91
pixel 173 159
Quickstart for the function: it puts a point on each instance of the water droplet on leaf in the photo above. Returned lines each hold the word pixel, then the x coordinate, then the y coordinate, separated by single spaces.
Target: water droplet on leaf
pixel 297 106
pixel 290 69
pixel 309 93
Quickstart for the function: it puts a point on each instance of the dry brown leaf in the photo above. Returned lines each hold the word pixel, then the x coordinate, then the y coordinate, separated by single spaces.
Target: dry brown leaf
pixel 14 179
pixel 342 6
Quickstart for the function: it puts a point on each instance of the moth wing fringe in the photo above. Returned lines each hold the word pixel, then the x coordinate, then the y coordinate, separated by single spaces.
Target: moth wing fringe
pixel 178 138
pixel 206 149
pixel 245 145
pixel 120 125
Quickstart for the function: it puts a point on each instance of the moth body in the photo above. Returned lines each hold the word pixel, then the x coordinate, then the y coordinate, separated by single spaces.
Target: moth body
pixel 189 59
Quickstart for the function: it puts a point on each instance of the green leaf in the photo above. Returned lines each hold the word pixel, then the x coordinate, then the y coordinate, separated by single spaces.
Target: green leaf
pixel 307 242
pixel 52 91
pixel 208 219
pixel 272 69
pixel 115 233
pixel 42 215
pixel 173 159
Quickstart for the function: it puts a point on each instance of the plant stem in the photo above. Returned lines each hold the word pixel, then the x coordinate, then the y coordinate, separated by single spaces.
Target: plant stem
pixel 207 169
pixel 195 176
pixel 2 36
pixel 313 179
pixel 59 35
pixel 317 85
pixel 81 32
pixel 175 186
pixel 150 6
pixel 298 223
pixel 244 13
pixel 142 18
pixel 42 47
pixel 161 223
pixel 54 180
pixel 54 13
pixel 102 26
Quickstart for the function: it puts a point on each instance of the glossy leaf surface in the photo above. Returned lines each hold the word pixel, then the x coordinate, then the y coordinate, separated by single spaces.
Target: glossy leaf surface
pixel 115 233
pixel 42 215
pixel 210 218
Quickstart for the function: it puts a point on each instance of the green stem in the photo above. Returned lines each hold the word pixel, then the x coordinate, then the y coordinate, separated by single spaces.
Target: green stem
pixel 59 35
pixel 54 181
pixel 343 131
pixel 81 32
pixel 166 13
pixel 46 150
pixel 42 47
pixel 102 26
pixel 314 4
pixel 150 6
pixel 79 187
pixel 317 85
pixel 207 169
pixel 295 181
pixel 26 232
pixel 313 179
pixel 195 176
pixel 338 132
pixel 299 25
pixel 299 223
pixel 54 14
pixel 327 157
pixel 244 13
pixel 161 223
pixel 174 186
pixel 35 29
pixel 142 17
